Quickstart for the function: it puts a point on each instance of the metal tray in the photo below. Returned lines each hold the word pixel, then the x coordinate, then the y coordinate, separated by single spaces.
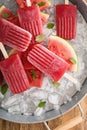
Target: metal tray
pixel 82 6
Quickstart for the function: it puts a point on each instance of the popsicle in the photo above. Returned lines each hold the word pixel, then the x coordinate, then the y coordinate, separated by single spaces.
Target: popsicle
pixel 14 36
pixel 66 19
pixel 13 72
pixel 30 20
pixel 47 62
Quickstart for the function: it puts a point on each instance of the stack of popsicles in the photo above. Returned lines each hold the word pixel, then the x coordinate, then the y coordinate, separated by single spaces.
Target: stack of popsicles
pixel 21 38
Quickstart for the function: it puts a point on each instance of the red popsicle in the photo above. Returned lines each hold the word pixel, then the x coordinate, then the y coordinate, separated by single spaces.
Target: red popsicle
pixel 30 20
pixel 14 73
pixel 47 62
pixel 14 36
pixel 66 16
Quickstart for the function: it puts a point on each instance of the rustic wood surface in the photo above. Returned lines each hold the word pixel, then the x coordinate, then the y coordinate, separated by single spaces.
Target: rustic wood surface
pixel 55 124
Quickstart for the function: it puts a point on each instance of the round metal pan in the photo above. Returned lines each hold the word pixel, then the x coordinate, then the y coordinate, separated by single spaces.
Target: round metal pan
pixel 82 6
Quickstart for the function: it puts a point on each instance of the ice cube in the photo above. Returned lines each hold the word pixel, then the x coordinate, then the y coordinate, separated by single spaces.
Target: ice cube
pixel 13 100
pixel 1 96
pixel 27 106
pixel 39 111
pixel 14 109
pixel 53 98
pixel 28 114
pixel 39 94
pixel 48 106
pixel 8 94
pixel 56 107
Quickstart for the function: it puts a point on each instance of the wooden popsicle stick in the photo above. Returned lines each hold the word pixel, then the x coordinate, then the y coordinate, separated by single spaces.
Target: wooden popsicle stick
pixel 70 124
pixel 66 2
pixel 28 2
pixel 3 50
pixel 69 77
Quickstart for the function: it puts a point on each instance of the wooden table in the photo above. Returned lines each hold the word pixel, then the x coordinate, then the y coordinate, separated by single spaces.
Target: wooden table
pixel 61 123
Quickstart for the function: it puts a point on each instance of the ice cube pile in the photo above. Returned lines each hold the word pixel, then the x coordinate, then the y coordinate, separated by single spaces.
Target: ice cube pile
pixel 37 101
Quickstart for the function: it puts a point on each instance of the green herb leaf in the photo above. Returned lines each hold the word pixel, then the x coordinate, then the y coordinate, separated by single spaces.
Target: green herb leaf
pixel 50 25
pixel 73 60
pixel 42 104
pixel 41 3
pixel 33 74
pixel 0 6
pixel 5 15
pixel 40 38
pixel 56 84
pixel 4 88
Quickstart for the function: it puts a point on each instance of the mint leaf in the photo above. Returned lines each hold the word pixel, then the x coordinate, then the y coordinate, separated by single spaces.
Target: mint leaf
pixel 50 25
pixel 42 104
pixel 72 60
pixel 40 38
pixel 56 84
pixel 41 3
pixel 33 74
pixel 5 15
pixel 4 88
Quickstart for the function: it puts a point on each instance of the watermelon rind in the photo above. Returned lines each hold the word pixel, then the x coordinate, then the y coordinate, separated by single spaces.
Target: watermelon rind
pixel 55 39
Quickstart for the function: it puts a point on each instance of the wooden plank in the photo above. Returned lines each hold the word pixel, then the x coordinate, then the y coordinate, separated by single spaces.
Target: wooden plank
pixel 71 123
pixel 66 117
pixel 6 125
pixel 39 126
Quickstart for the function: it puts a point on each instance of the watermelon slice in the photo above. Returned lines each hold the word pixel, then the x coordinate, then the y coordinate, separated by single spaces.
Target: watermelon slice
pixel 43 4
pixel 64 49
pixel 8 15
pixel 35 77
pixel 44 17
pixel 5 13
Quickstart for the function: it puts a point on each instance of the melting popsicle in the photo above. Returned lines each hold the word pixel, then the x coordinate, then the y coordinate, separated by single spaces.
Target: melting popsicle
pixel 30 20
pixel 14 36
pixel 66 20
pixel 47 62
pixel 13 72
